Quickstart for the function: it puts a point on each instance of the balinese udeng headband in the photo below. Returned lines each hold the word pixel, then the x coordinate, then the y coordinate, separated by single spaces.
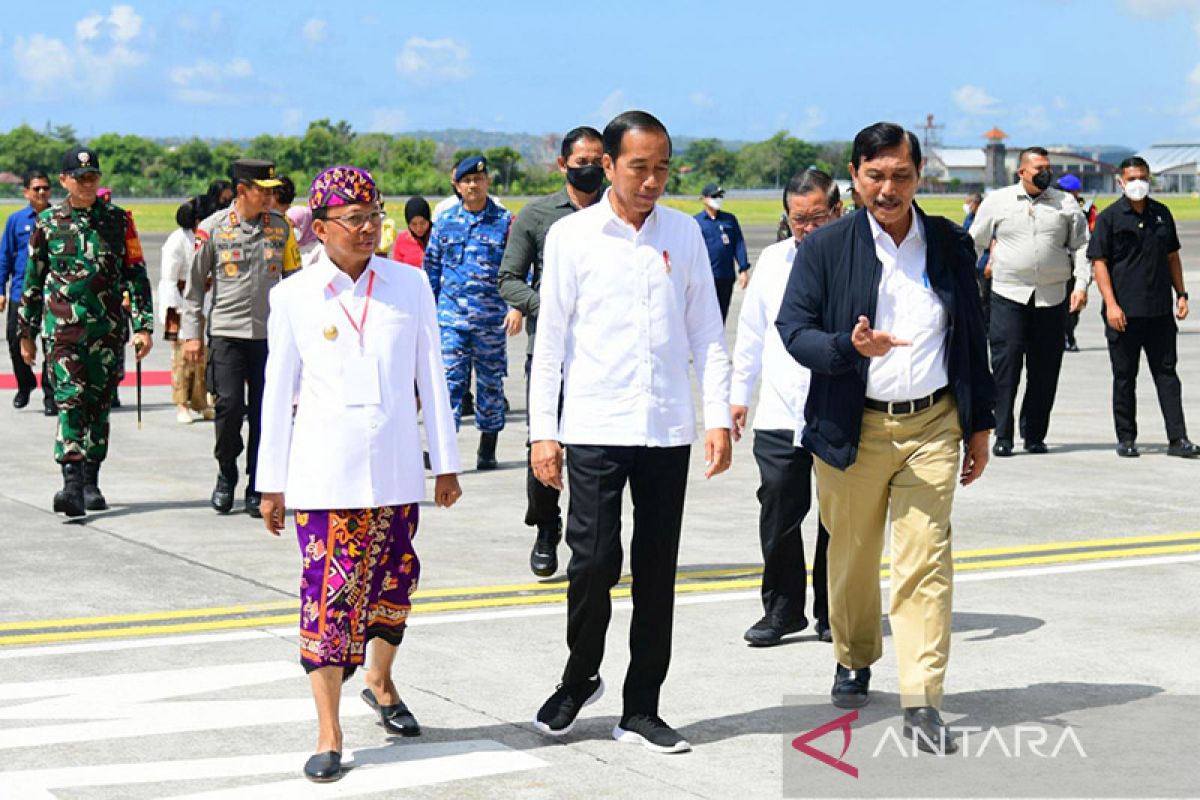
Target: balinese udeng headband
pixel 342 185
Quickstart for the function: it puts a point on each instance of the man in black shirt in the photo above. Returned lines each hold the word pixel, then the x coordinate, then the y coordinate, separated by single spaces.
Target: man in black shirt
pixel 581 153
pixel 1135 256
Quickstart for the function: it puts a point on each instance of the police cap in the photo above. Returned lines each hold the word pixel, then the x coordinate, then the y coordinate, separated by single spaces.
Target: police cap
pixel 80 161
pixel 469 165
pixel 255 170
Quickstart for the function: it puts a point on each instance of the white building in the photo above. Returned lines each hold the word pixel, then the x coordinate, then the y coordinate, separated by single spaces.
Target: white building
pixel 1175 167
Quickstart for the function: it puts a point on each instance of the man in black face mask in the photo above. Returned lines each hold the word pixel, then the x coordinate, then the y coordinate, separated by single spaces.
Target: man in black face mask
pixel 1038 237
pixel 580 161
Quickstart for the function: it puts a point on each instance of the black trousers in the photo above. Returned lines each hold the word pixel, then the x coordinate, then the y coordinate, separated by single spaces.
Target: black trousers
pixel 26 381
pixel 724 294
pixel 236 373
pixel 657 478
pixel 1022 335
pixel 1072 320
pixel 985 298
pixel 1155 336
pixel 784 497
pixel 541 501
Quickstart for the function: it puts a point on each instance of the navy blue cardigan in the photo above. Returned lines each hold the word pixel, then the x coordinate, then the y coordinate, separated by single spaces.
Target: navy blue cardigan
pixel 835 278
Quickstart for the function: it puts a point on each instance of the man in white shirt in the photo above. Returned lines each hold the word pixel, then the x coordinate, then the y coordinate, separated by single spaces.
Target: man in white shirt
pixel 811 199
pixel 1038 237
pixel 883 308
pixel 627 299
pixel 349 337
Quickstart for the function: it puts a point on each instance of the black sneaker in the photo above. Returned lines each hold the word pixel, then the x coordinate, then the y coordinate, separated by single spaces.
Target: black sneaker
pixel 851 687
pixel 770 630
pixel 651 733
pixel 557 715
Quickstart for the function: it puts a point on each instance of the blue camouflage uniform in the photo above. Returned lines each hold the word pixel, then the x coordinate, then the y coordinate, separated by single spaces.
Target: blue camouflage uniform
pixel 463 262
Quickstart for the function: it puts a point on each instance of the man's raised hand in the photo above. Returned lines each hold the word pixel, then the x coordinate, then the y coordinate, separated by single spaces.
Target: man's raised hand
pixel 872 343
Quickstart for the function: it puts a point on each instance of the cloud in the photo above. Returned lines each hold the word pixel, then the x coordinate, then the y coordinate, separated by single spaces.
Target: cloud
pixel 700 100
pixel 206 83
pixel 88 28
pixel 1090 122
pixel 387 120
pixel 434 59
pixel 974 100
pixel 813 119
pixel 314 30
pixel 1158 8
pixel 1034 119
pixel 612 105
pixel 104 51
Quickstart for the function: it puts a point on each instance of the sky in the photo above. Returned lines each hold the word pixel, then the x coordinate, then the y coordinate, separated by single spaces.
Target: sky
pixel 1123 72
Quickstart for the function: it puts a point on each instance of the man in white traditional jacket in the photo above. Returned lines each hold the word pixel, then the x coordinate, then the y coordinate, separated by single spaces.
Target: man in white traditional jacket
pixel 348 337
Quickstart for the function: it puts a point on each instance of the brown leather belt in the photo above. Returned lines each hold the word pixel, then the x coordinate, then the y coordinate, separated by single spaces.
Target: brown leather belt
pixel 895 407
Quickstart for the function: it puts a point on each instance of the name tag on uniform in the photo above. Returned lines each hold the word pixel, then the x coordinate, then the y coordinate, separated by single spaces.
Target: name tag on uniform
pixel 360 380
pixel 724 237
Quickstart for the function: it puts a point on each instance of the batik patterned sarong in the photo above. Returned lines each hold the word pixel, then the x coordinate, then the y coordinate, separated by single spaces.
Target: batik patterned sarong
pixel 359 569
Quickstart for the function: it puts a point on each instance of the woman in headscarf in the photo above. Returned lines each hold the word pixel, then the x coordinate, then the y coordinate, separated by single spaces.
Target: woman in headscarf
pixel 410 243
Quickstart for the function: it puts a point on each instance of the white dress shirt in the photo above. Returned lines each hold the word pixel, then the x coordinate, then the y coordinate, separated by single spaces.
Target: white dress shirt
pixel 622 310
pixel 337 454
pixel 176 263
pixel 909 309
pixel 1037 243
pixel 759 347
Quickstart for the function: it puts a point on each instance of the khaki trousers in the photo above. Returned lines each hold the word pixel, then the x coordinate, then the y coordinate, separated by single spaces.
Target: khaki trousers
pixel 907 466
pixel 187 380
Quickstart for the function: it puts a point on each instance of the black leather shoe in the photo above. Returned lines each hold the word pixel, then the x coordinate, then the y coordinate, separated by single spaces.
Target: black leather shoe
pixel 924 725
pixel 824 633
pixel 1127 450
pixel 1002 448
pixel 21 398
pixel 1071 347
pixel 770 630
pixel 116 401
pixel 254 503
pixel 1183 448
pixel 396 719
pixel 486 457
pixel 222 495
pixel 851 687
pixel 1037 448
pixel 324 767
pixel 49 410
pixel 543 560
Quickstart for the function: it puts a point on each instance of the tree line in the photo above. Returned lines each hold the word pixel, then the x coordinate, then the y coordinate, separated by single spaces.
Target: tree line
pixel 135 166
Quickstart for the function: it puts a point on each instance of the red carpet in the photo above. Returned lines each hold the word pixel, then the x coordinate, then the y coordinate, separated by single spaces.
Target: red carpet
pixel 149 378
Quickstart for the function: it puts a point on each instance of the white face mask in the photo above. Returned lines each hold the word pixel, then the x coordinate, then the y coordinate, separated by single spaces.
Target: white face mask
pixel 966 208
pixel 1137 190
pixel 713 202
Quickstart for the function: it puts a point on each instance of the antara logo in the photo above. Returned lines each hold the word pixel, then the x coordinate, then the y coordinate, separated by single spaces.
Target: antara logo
pixel 843 722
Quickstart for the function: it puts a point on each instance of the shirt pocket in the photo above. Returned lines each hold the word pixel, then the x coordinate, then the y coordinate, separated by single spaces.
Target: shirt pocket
pixel 231 261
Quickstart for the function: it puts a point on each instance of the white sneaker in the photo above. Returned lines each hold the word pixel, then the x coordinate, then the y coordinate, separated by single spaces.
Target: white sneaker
pixel 183 417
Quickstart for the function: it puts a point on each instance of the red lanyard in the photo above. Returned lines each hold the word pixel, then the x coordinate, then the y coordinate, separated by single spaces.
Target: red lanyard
pixel 361 325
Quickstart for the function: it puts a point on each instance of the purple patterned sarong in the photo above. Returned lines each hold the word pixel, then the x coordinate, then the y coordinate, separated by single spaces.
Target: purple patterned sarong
pixel 359 569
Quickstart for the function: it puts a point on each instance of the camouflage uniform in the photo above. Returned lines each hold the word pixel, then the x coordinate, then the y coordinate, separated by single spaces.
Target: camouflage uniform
pixel 462 262
pixel 81 262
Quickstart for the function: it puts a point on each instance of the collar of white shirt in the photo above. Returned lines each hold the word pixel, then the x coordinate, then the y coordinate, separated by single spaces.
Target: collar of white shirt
pixel 915 231
pixel 614 223
pixel 332 275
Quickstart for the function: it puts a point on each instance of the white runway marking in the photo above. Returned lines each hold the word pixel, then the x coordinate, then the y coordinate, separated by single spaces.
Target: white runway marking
pixel 376 769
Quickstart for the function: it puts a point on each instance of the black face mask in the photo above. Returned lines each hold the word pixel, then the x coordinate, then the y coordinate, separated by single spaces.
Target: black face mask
pixel 1042 180
pixel 586 179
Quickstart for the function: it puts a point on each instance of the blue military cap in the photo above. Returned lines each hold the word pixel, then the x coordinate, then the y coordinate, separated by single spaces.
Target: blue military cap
pixel 468 165
pixel 1070 183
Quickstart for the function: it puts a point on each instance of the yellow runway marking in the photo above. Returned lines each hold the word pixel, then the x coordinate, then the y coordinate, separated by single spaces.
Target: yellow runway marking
pixel 514 595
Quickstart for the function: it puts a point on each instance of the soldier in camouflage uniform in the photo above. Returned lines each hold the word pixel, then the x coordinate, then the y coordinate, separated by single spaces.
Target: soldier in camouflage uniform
pixel 242 252
pixel 462 261
pixel 84 255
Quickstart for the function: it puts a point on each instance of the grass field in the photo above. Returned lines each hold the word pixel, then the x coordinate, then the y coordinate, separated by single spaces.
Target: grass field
pixel 156 217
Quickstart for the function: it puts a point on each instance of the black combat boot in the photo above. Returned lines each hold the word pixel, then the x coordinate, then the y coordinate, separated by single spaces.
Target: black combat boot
pixel 69 501
pixel 93 500
pixel 486 457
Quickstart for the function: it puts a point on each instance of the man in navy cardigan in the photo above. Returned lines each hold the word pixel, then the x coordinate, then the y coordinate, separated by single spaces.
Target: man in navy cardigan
pixel 882 307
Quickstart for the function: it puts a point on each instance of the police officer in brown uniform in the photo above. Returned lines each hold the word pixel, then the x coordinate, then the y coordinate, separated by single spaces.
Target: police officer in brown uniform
pixel 241 252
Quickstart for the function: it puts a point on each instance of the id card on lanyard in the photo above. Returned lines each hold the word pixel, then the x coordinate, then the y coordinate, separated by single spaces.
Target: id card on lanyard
pixel 360 372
